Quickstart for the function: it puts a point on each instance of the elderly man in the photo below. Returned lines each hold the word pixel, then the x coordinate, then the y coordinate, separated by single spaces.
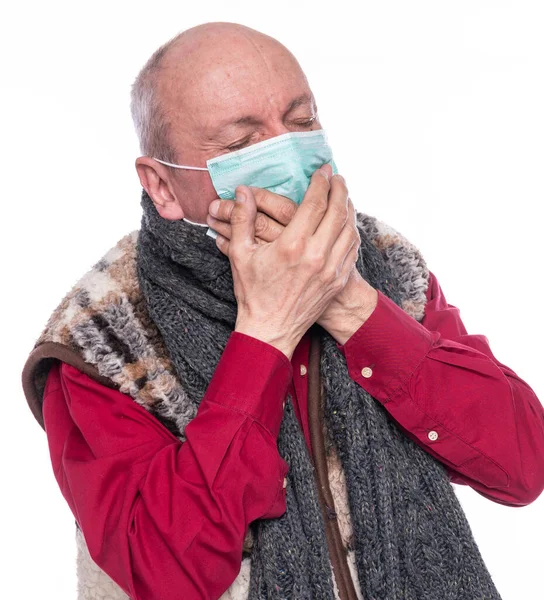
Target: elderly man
pixel 276 413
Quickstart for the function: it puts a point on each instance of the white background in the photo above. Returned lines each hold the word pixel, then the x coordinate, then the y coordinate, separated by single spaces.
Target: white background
pixel 435 113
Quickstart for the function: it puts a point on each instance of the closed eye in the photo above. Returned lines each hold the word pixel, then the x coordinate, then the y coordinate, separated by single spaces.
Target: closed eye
pixel 306 123
pixel 238 146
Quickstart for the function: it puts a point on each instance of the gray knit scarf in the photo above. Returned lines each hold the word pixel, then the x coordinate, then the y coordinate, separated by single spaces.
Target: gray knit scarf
pixel 412 539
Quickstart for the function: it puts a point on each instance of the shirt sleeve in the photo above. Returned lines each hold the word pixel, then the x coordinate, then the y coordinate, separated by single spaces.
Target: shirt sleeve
pixel 166 519
pixel 449 394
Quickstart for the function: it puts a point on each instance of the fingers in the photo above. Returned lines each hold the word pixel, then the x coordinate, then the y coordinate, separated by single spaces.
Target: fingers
pixel 242 219
pixel 346 243
pixel 266 229
pixel 223 244
pixel 221 209
pixel 328 169
pixel 280 208
pixel 312 209
pixel 220 227
pixel 349 263
pixel 274 212
pixel 337 213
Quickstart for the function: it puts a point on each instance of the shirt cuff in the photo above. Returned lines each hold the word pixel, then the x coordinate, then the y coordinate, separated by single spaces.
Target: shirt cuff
pixel 252 377
pixel 384 352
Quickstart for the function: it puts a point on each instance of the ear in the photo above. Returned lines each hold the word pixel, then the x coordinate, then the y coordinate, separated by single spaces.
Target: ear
pixel 157 182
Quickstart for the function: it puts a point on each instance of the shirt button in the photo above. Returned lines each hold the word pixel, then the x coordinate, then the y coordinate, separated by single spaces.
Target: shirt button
pixel 303 370
pixel 366 372
pixel 284 482
pixel 432 435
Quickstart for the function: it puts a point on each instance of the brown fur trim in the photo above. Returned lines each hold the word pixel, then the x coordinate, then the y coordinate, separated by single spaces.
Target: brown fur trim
pixel 37 368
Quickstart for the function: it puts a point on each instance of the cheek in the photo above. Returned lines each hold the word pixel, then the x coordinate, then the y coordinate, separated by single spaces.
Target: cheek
pixel 195 191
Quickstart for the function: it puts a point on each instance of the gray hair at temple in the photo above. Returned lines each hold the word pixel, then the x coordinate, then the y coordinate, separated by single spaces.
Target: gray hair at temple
pixel 152 126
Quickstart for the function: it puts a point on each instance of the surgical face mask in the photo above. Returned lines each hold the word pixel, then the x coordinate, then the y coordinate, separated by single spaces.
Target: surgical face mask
pixel 283 164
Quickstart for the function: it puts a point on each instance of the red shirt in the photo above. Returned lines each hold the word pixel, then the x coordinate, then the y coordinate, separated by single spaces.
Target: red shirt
pixel 167 520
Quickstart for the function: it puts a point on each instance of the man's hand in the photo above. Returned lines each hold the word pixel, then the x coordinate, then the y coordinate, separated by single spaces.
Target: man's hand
pixel 274 213
pixel 350 308
pixel 283 286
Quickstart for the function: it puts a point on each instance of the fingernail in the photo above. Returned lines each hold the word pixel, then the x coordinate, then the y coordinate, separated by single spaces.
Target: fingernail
pixel 240 196
pixel 325 174
pixel 213 209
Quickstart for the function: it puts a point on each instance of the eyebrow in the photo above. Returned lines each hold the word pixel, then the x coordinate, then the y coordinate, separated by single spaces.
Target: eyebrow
pixel 299 101
pixel 250 120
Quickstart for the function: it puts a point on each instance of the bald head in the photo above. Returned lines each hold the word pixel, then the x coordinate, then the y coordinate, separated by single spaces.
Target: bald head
pixel 201 72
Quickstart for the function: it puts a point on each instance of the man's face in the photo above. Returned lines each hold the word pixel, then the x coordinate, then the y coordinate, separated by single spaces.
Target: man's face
pixel 222 92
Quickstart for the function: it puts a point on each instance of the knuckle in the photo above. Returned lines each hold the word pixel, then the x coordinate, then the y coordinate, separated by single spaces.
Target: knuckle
pixel 318 203
pixel 294 248
pixel 261 224
pixel 345 189
pixel 287 210
pixel 337 286
pixel 340 212
pixel 234 252
pixel 329 275
pixel 259 194
pixel 355 234
pixel 341 183
pixel 351 258
pixel 225 209
pixel 237 216
pixel 316 261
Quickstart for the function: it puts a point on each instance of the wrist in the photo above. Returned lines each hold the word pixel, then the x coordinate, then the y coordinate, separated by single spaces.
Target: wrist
pixel 282 342
pixel 348 312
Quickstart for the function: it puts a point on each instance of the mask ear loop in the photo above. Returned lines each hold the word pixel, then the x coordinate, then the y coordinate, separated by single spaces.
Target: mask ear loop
pixel 193 223
pixel 180 166
pixel 191 169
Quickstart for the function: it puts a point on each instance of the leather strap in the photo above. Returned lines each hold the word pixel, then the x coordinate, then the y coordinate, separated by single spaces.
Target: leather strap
pixel 337 552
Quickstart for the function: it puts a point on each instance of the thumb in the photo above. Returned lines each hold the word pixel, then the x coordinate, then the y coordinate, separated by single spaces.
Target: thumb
pixel 242 218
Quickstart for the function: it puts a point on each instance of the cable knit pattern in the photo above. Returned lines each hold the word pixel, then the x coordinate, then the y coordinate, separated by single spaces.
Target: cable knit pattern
pixel 152 318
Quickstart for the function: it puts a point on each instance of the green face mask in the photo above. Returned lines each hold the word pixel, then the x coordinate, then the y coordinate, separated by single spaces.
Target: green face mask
pixel 283 164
